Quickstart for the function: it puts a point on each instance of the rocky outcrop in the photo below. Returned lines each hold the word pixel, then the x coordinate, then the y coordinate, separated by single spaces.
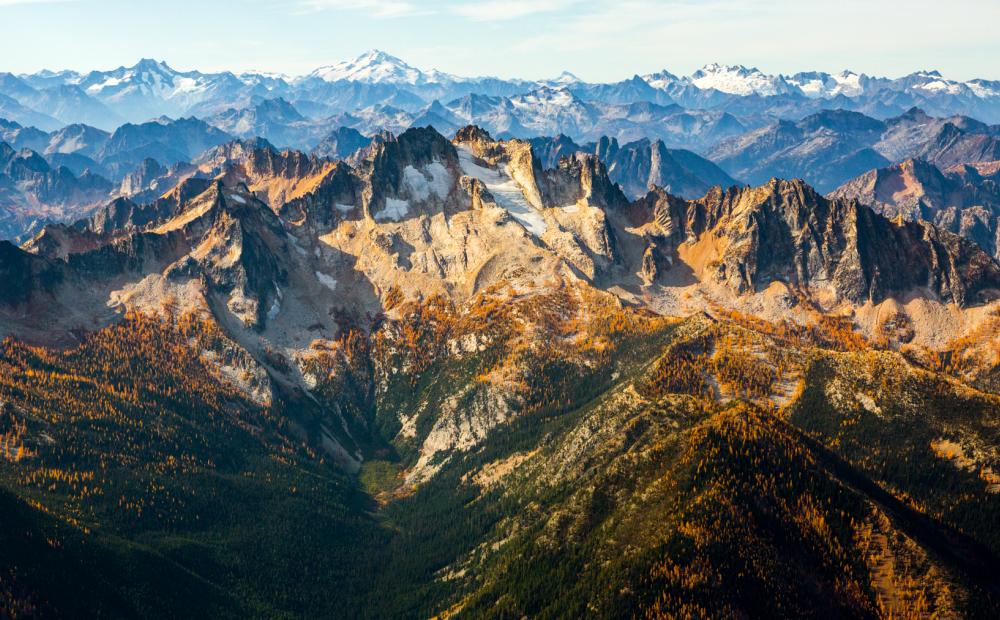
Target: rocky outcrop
pixel 405 174
pixel 241 249
pixel 550 151
pixel 275 176
pixel 336 196
pixel 640 165
pixel 140 179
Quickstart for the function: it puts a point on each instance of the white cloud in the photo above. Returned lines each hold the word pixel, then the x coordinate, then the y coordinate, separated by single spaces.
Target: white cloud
pixel 376 8
pixel 503 10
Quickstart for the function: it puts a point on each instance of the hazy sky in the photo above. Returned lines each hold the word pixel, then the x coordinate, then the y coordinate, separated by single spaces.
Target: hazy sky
pixel 595 39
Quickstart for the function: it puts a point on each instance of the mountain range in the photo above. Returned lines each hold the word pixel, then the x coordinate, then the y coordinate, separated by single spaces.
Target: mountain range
pixel 448 368
pixel 380 342
pixel 808 125
pixel 151 88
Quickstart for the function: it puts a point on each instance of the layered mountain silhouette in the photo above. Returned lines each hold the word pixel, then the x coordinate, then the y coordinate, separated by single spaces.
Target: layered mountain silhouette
pixel 151 88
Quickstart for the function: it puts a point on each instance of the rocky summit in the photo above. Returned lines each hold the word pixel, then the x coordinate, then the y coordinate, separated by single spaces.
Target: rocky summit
pixel 383 342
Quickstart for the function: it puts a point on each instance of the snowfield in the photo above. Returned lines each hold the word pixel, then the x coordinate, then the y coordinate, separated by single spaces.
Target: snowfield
pixel 421 188
pixel 506 191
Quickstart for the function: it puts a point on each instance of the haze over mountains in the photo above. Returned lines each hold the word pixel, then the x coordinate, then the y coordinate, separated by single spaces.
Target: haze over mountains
pixel 151 88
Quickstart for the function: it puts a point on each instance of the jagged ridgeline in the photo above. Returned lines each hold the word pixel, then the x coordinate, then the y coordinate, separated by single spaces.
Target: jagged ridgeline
pixel 443 378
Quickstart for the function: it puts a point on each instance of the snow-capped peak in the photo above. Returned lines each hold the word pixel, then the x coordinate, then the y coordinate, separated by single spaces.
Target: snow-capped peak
pixel 147 76
pixel 984 88
pixel 254 76
pixel 555 94
pixel 739 80
pixel 153 65
pixel 376 66
pixel 933 81
pixel 661 79
pixel 565 78
pixel 817 84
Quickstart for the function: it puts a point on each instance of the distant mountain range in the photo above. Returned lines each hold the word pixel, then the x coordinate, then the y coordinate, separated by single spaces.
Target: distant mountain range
pixel 832 146
pixel 151 88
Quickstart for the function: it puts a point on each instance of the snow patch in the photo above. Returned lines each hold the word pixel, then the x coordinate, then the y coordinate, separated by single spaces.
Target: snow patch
pixel 108 83
pixel 186 85
pixel 327 281
pixel 441 182
pixel 416 183
pixel 394 210
pixel 421 188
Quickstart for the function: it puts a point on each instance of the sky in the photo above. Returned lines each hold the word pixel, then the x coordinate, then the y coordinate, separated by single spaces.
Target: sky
pixel 598 40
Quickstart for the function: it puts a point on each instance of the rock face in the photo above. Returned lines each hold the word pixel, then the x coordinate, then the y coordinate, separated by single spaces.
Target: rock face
pixel 142 178
pixel 785 231
pixel 239 253
pixel 640 165
pixel 963 199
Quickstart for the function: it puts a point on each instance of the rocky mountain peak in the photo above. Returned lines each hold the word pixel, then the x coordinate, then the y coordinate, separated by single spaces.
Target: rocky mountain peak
pixel 785 231
pixel 960 199
pixel 142 177
pixel 476 138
